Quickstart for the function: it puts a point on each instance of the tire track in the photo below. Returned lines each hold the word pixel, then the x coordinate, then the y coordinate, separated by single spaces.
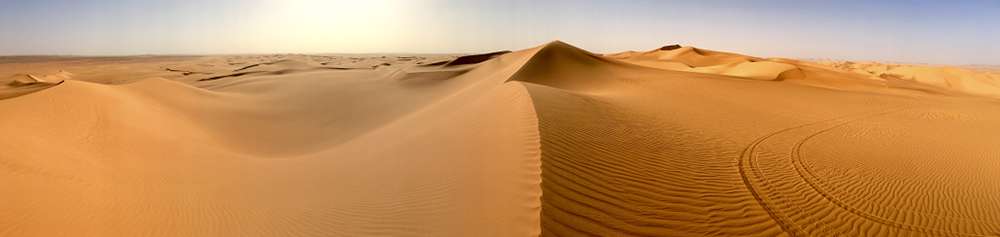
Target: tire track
pixel 810 178
pixel 749 165
pixel 768 191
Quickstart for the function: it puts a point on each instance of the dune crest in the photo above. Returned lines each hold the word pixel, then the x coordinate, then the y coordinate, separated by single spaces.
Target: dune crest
pixel 691 59
pixel 552 140
pixel 23 84
pixel 24 79
pixel 631 151
pixel 29 79
pixel 475 58
pixel 559 64
pixel 307 152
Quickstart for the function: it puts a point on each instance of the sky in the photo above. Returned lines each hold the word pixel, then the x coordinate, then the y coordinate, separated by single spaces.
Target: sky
pixel 940 32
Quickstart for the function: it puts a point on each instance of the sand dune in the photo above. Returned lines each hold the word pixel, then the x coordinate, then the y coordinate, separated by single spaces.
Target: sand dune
pixel 24 80
pixel 947 78
pixel 551 140
pixel 691 59
pixel 262 157
pixel 21 84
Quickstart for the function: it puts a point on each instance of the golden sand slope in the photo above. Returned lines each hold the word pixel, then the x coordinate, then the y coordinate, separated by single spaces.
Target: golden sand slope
pixel 679 154
pixel 948 78
pixel 314 153
pixel 551 140
pixel 21 84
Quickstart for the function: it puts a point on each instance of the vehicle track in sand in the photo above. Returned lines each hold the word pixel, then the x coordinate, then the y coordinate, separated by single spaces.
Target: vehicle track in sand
pixel 823 188
pixel 797 198
pixel 760 186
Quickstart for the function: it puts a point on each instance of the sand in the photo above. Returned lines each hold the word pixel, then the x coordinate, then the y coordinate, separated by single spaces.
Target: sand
pixel 552 140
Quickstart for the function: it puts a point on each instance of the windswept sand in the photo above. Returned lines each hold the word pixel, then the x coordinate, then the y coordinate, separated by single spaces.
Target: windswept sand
pixel 551 140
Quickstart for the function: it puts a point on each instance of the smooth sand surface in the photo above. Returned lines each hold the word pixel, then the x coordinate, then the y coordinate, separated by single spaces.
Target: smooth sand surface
pixel 551 140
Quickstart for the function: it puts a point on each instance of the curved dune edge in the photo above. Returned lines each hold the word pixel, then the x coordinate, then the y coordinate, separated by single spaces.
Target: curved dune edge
pixel 23 84
pixel 24 89
pixel 552 140
pixel 449 157
pixel 631 151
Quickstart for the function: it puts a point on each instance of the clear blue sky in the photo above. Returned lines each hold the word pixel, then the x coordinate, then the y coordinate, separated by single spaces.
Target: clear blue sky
pixel 952 32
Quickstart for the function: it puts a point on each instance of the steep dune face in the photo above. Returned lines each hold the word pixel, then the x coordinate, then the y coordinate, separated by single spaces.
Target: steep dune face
pixel 558 64
pixel 22 84
pixel 24 80
pixel 551 140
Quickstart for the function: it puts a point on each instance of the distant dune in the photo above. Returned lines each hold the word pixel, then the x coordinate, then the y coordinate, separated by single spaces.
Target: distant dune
pixel 676 57
pixel 964 80
pixel 552 140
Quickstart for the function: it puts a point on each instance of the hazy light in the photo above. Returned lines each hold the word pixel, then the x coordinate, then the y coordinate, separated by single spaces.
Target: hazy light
pixel 319 25
pixel 918 31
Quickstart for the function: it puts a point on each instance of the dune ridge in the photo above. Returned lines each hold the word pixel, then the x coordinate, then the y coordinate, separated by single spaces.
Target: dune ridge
pixel 599 149
pixel 691 59
pixel 196 162
pixel 22 84
pixel 552 140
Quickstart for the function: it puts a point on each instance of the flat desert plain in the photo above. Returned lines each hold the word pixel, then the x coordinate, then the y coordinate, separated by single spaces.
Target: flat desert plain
pixel 552 140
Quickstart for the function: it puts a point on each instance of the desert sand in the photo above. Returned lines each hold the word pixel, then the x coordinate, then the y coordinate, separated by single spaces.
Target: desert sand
pixel 552 140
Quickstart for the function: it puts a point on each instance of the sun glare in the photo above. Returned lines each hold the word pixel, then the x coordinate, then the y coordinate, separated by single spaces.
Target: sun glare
pixel 319 23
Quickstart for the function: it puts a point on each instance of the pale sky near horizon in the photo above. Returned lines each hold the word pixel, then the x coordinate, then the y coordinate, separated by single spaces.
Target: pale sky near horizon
pixel 945 32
